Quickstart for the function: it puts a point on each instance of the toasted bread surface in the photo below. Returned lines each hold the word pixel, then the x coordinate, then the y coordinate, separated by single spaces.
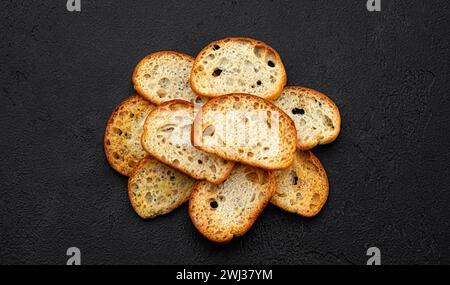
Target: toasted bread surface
pixel 122 139
pixel 220 212
pixel 155 189
pixel 164 76
pixel 238 65
pixel 303 187
pixel 246 129
pixel 317 118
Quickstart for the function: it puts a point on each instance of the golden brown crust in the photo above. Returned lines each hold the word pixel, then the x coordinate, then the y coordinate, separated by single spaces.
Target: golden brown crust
pixel 335 108
pixel 274 96
pixel 108 132
pixel 167 105
pixel 226 237
pixel 196 133
pixel 324 190
pixel 142 61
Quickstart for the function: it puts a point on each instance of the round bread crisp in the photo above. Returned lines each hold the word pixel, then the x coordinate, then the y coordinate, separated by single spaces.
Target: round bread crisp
pixel 316 117
pixel 303 187
pixel 238 65
pixel 164 76
pixel 220 212
pixel 122 140
pixel 155 189
pixel 246 129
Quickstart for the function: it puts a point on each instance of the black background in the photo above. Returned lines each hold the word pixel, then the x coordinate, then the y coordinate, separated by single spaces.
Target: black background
pixel 63 73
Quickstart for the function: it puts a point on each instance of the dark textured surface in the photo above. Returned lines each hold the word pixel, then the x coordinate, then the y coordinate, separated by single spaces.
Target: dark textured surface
pixel 62 74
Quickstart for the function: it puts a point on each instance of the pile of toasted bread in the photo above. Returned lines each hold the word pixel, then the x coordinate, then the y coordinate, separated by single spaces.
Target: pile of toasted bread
pixel 223 132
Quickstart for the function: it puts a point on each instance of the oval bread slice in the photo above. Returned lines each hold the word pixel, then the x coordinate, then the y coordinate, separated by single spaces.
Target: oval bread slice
pixel 155 189
pixel 316 117
pixel 122 140
pixel 238 65
pixel 167 132
pixel 221 212
pixel 247 129
pixel 164 76
pixel 303 187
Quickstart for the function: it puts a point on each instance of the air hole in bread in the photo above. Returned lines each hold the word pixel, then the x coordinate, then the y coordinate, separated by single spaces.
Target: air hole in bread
pixel 172 178
pixel 328 122
pixel 298 111
pixel 176 162
pixel 216 47
pixel 161 93
pixel 209 131
pixel 164 82
pixel 116 155
pixel 315 199
pixel 252 177
pixel 258 51
pixel 269 122
pixel 258 82
pixel 200 161
pixel 266 148
pixel 217 72
pixel 250 154
pixel 271 63
pixel 190 158
pixel 119 132
pixel 213 168
pixel 295 180
pixel 213 204
pixel 149 198
pixel 108 142
pixel 147 76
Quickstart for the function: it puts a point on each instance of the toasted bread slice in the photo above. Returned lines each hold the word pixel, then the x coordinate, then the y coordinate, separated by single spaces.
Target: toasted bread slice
pixel 122 140
pixel 164 76
pixel 167 138
pixel 303 187
pixel 238 65
pixel 316 117
pixel 247 129
pixel 155 189
pixel 230 209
